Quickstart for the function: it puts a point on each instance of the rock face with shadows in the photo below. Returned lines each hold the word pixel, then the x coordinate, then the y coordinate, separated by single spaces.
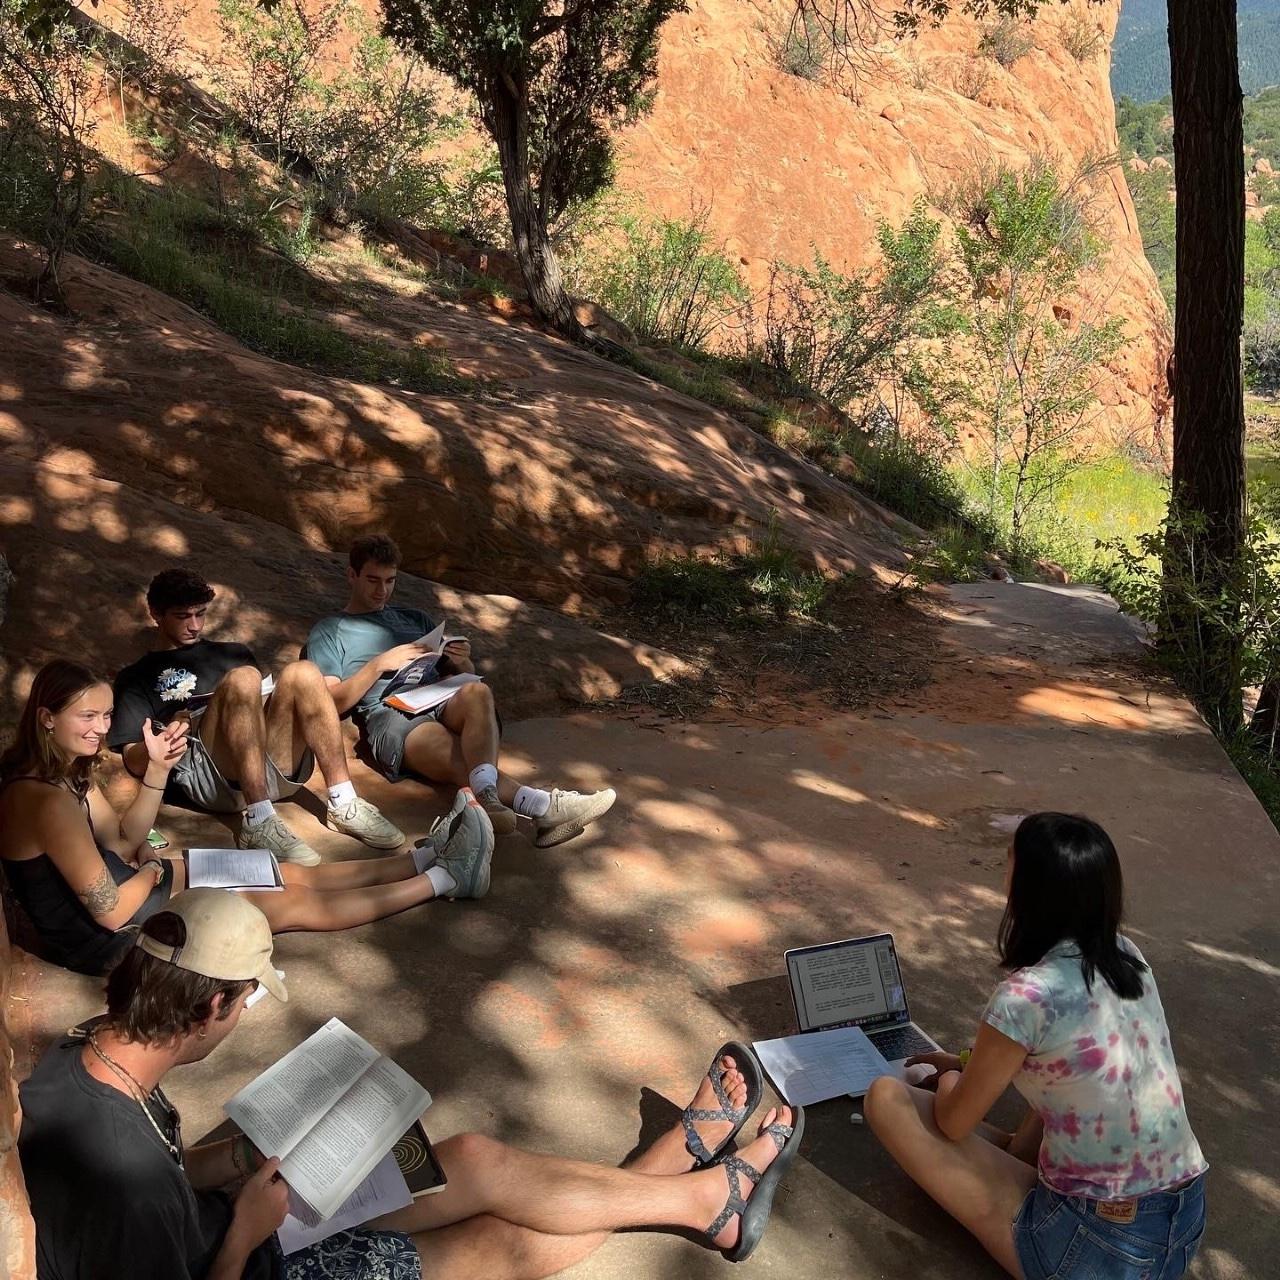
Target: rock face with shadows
pixel 135 433
pixel 782 164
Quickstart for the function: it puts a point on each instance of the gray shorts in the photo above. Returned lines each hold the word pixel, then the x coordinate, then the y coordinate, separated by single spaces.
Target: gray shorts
pixel 196 780
pixel 385 729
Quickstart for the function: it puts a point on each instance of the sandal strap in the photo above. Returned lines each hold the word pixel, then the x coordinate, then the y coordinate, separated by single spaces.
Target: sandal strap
pixel 729 1113
pixel 735 1168
pixel 779 1133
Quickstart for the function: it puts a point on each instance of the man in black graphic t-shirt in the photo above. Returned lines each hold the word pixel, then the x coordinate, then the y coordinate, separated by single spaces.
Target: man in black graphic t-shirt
pixel 253 740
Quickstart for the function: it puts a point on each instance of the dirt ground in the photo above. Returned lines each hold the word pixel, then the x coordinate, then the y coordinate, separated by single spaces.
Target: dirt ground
pixel 575 1007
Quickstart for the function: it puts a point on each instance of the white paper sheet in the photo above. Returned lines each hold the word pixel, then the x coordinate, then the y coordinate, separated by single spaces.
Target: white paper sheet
pixel 232 869
pixel 383 1191
pixel 822 1064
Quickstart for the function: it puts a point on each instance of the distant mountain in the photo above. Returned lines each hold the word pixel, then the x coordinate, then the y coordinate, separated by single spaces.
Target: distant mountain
pixel 1140 59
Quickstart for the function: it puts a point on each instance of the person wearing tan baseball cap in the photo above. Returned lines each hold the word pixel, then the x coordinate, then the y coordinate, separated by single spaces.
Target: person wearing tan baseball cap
pixel 101 1146
pixel 227 937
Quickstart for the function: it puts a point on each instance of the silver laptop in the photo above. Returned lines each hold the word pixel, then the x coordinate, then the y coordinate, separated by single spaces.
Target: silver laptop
pixel 856 983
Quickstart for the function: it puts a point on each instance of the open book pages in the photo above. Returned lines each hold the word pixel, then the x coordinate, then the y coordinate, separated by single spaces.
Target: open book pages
pixel 426 696
pixel 233 869
pixel 330 1109
pixel 435 640
pixel 409 1170
pixel 383 1191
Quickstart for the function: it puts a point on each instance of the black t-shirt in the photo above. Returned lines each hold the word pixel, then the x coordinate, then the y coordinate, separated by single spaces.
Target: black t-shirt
pixel 162 683
pixel 108 1198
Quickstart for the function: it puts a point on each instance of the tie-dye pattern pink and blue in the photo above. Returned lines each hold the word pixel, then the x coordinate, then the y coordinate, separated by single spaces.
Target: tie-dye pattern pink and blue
pixel 1100 1074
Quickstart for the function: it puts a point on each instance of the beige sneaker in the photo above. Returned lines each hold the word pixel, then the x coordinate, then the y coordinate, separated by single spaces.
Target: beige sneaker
pixel 569 815
pixel 363 822
pixel 503 819
pixel 271 833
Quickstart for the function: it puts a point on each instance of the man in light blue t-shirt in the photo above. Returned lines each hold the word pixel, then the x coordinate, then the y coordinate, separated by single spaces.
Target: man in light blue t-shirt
pixel 360 650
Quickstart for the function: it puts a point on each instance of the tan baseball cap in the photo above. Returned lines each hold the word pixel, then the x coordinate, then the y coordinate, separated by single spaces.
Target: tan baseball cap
pixel 228 938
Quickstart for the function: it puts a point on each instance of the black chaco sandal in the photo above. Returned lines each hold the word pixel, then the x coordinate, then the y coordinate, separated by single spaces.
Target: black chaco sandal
pixel 745 1061
pixel 753 1214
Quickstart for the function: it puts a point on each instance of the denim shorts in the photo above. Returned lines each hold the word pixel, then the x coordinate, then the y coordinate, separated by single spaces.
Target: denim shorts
pixel 1061 1237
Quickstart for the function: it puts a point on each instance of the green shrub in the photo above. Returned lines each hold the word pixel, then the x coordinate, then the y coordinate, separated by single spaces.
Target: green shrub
pixel 767 581
pixel 1261 348
pixel 804 47
pixel 667 281
pixel 837 336
pixel 1081 37
pixel 181 247
pixel 1005 41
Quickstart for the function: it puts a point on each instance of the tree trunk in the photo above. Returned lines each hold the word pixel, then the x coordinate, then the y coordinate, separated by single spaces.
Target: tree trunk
pixel 508 123
pixel 1208 393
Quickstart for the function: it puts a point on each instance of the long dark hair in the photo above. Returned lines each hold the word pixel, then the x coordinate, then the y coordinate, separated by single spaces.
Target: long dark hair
pixel 1067 887
pixel 57 685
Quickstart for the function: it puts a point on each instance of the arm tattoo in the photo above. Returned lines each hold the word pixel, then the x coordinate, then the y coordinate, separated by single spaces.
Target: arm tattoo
pixel 101 896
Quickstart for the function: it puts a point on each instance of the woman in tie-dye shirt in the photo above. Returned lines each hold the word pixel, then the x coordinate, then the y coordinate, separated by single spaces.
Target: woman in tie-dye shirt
pixel 1104 1178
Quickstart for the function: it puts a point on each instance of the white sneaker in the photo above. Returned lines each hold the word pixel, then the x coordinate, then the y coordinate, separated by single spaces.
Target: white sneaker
pixel 365 823
pixel 467 848
pixel 569 815
pixel 271 833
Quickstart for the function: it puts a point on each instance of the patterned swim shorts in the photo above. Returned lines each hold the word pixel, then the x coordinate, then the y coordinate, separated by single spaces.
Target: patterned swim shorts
pixel 357 1255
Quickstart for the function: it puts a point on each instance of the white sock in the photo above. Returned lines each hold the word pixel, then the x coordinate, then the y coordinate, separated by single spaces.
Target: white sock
pixel 531 803
pixel 258 811
pixel 441 880
pixel 342 795
pixel 483 775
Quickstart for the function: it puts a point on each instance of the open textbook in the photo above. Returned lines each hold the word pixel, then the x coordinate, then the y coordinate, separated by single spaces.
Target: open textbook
pixel 232 869
pixel 330 1109
pixel 409 1170
pixel 420 685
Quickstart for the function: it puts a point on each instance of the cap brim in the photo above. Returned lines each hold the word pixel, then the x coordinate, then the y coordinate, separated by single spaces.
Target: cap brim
pixel 270 979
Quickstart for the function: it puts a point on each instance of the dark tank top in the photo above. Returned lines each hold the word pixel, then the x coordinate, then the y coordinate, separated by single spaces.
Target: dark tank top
pixel 69 935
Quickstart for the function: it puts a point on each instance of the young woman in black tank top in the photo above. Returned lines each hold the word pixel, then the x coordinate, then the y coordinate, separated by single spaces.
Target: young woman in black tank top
pixel 84 873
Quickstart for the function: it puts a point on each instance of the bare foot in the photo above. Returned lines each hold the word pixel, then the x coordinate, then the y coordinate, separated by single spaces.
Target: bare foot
pixel 711 1132
pixel 759 1154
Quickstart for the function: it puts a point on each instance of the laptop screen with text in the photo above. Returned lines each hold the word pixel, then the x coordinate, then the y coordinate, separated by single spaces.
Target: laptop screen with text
pixel 852 983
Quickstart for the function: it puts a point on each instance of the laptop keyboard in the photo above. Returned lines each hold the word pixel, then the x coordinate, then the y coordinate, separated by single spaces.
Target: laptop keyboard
pixel 901 1042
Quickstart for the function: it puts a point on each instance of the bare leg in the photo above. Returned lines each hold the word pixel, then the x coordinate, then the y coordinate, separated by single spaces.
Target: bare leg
pixel 302 910
pixel 480 1244
pixel 300 714
pixel 360 874
pixel 977 1183
pixel 434 752
pixel 234 732
pixel 504 1183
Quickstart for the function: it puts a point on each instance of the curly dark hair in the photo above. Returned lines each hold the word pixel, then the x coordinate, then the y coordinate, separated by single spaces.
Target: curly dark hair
pixel 177 589
pixel 376 547
pixel 151 1001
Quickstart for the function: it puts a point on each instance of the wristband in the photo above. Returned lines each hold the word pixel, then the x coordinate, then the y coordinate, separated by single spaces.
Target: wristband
pixel 150 786
pixel 153 862
pixel 965 1055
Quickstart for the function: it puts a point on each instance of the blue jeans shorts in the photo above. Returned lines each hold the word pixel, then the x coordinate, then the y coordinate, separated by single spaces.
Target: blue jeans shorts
pixel 1061 1237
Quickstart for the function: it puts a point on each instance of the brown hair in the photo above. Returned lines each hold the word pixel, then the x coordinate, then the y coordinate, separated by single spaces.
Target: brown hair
pixel 376 547
pixel 56 686
pixel 177 589
pixel 150 1001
